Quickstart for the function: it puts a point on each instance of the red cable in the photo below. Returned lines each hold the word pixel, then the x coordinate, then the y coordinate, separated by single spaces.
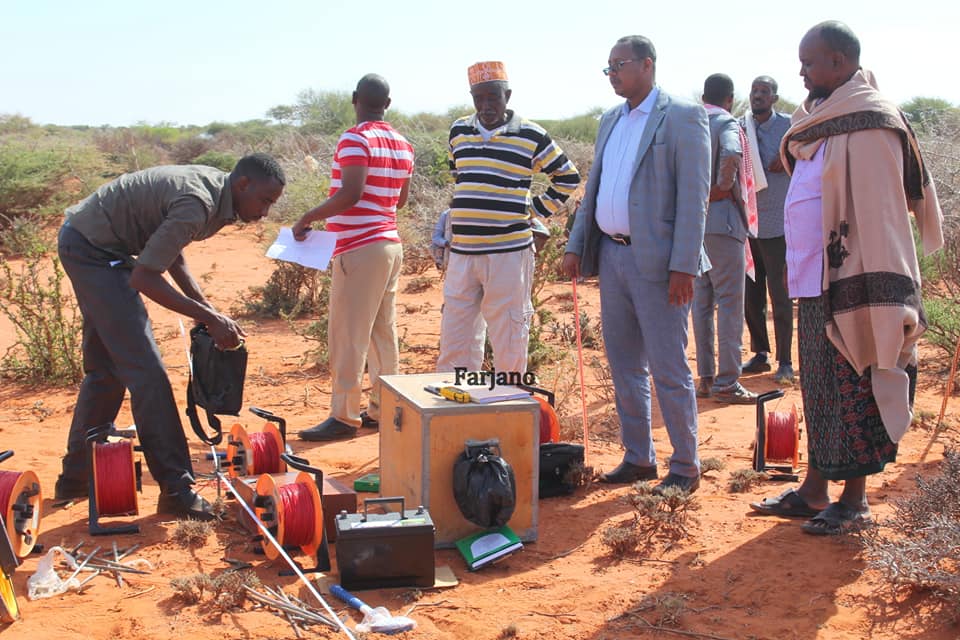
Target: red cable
pixel 296 504
pixel 583 392
pixel 781 435
pixel 113 470
pixel 266 453
pixel 8 479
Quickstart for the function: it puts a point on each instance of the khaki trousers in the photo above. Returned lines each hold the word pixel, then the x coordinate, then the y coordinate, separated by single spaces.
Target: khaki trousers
pixel 362 327
pixel 481 293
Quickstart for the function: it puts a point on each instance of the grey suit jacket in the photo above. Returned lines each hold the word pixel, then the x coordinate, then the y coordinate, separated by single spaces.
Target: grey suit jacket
pixel 668 194
pixel 726 217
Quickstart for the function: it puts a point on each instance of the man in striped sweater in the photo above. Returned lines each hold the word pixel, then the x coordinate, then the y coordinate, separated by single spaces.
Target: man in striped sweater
pixel 369 181
pixel 493 156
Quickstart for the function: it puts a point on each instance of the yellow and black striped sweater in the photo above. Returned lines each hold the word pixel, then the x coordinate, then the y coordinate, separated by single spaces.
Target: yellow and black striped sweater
pixel 492 205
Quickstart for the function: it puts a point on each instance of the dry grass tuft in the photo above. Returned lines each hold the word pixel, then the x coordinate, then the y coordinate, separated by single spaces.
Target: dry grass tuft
pixel 711 464
pixel 192 533
pixel 621 540
pixel 190 589
pixel 743 480
pixel 228 588
pixel 419 284
pixel 669 607
pixel 917 549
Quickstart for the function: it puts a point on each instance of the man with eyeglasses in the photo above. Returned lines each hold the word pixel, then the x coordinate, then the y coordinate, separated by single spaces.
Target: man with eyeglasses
pixel 640 228
pixel 493 156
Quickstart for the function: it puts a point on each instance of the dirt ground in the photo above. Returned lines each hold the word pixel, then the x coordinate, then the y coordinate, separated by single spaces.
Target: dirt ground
pixel 735 577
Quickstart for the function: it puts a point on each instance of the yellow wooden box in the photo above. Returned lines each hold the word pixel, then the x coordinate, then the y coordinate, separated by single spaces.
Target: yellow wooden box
pixel 421 436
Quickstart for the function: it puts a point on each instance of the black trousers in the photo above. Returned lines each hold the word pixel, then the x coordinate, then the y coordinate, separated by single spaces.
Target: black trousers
pixel 120 353
pixel 770 259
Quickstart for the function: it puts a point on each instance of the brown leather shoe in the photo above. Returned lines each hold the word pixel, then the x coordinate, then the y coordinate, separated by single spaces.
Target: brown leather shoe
pixel 704 387
pixel 627 472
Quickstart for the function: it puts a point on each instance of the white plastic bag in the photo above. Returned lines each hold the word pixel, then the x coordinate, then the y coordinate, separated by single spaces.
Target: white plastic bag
pixel 45 583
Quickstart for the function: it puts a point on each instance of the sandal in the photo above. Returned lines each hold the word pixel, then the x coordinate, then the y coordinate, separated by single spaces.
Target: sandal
pixel 789 504
pixel 836 519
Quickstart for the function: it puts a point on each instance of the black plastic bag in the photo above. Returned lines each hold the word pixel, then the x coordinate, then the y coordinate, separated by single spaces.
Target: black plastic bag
pixel 484 485
pixel 216 382
pixel 559 462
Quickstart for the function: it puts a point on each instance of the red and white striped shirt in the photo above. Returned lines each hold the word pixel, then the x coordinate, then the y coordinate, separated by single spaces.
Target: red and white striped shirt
pixel 389 161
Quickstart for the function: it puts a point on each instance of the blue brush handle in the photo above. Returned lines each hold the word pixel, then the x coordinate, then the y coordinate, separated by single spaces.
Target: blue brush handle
pixel 347 597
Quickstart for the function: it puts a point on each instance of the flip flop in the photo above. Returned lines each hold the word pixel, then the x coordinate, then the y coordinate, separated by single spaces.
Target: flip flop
pixel 836 519
pixel 789 504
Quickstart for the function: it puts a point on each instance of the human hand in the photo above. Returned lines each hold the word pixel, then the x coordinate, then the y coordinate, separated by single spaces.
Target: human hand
pixel 776 166
pixel 300 229
pixel 226 333
pixel 570 266
pixel 680 289
pixel 716 193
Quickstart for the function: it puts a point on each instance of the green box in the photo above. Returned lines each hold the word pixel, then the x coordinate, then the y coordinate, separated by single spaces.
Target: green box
pixel 369 483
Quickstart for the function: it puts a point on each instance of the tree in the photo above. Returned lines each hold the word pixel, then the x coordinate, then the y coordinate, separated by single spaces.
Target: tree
pixel 929 114
pixel 318 112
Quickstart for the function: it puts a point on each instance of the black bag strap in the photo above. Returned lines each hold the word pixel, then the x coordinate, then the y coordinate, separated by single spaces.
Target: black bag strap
pixel 212 420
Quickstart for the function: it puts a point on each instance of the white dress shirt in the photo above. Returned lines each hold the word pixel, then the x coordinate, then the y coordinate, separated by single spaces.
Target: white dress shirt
pixel 619 158
pixel 803 227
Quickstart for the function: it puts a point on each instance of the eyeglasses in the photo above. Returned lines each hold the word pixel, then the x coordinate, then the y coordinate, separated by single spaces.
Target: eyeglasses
pixel 616 66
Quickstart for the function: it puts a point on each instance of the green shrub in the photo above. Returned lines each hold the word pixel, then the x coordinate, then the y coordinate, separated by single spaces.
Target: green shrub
pixel 40 175
pixel 28 177
pixel 47 324
pixel 218 159
pixel 305 189
pixel 943 318
pixel 290 292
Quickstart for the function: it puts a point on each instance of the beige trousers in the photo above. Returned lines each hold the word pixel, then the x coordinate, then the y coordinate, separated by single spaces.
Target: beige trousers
pixel 362 328
pixel 481 293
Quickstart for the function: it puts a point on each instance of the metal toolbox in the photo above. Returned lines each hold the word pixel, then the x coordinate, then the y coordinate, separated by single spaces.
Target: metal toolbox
pixel 383 550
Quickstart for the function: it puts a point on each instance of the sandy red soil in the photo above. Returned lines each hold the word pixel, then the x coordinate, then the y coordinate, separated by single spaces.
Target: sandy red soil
pixel 736 576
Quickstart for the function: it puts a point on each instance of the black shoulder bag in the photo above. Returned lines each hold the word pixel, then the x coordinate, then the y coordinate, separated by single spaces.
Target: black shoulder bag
pixel 216 382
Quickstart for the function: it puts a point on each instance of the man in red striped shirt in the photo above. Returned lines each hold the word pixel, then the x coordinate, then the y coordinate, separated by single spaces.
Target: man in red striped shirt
pixel 369 181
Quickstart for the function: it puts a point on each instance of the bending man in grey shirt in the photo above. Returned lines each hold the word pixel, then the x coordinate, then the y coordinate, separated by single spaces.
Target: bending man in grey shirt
pixel 115 245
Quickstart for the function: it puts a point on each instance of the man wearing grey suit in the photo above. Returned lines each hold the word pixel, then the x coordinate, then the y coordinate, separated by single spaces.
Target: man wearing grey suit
pixel 640 228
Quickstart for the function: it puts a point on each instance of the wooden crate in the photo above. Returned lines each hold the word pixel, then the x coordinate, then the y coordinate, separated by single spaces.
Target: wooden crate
pixel 421 436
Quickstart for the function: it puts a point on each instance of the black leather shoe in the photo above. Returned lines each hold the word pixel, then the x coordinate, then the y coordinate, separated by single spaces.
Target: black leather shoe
pixel 329 429
pixel 66 489
pixel 627 472
pixel 757 364
pixel 686 483
pixel 185 504
pixel 368 422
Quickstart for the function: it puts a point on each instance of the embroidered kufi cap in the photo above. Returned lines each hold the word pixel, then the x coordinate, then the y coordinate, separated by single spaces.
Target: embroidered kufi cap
pixel 486 72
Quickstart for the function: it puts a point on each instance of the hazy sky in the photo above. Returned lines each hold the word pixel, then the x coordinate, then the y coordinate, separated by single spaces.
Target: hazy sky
pixel 118 63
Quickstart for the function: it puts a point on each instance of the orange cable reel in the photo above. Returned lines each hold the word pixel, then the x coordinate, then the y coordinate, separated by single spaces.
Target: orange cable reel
pixel 255 453
pixel 549 422
pixel 20 500
pixel 293 513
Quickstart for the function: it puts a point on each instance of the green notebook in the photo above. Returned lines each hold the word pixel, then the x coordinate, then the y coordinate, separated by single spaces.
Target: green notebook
pixel 369 483
pixel 481 549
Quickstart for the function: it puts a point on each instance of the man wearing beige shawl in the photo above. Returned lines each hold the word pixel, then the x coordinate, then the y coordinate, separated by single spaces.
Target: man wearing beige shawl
pixel 857 174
